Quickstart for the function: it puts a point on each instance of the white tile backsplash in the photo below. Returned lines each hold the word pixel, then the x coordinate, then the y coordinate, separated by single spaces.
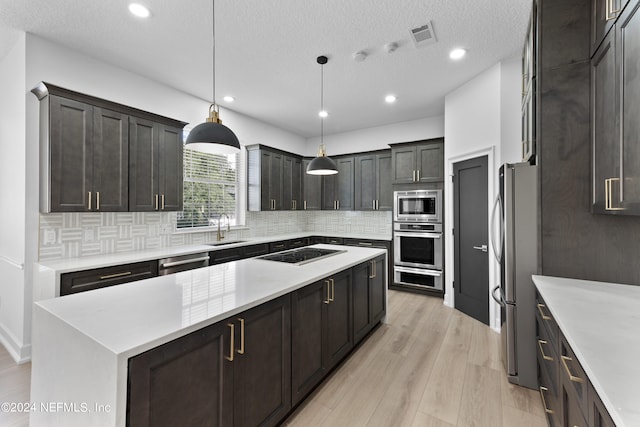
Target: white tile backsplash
pixel 71 235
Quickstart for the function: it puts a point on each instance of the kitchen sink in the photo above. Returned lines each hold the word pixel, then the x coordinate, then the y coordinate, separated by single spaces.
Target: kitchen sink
pixel 222 243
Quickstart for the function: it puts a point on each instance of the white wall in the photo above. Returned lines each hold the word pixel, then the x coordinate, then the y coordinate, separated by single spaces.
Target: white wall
pixel 378 138
pixel 13 330
pixel 482 117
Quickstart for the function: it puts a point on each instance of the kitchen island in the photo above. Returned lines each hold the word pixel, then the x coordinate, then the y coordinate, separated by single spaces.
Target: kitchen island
pixel 82 343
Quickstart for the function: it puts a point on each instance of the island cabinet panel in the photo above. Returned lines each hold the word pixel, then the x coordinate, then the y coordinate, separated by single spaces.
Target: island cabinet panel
pixel 236 372
pixel 186 382
pixel 262 364
pixel 369 298
pixel 322 332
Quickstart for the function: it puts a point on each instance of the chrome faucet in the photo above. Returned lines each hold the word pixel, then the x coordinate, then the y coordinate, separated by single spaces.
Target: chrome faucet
pixel 220 235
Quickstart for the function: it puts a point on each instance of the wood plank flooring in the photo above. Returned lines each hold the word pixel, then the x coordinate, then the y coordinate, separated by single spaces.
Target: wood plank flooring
pixel 428 366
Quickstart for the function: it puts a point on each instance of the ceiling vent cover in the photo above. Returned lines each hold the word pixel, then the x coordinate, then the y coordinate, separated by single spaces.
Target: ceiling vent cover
pixel 424 35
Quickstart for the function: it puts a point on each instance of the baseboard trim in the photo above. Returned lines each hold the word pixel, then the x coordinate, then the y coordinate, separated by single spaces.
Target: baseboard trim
pixel 20 353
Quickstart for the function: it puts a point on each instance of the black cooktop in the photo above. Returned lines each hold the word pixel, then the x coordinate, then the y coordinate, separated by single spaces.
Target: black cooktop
pixel 301 256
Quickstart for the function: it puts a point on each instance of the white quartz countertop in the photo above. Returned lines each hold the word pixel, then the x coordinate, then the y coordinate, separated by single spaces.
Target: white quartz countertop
pixel 131 318
pixel 68 265
pixel 601 322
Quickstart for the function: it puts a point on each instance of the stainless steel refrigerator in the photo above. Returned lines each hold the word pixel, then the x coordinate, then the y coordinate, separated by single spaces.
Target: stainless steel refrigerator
pixel 515 231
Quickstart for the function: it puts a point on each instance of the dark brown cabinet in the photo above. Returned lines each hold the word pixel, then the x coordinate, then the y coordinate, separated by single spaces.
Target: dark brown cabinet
pixel 311 189
pixel 88 158
pixel 102 156
pixel 321 331
pixel 615 106
pixel 86 280
pixel 274 180
pixel 373 181
pixel 369 303
pixel 292 183
pixel 418 162
pixel 155 178
pixel 603 16
pixel 236 372
pixel 338 189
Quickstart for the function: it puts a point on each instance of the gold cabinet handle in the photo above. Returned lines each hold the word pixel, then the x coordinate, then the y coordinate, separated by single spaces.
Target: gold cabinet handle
pixel 113 276
pixel 89 205
pixel 97 200
pixel 524 78
pixel 566 368
pixel 373 269
pixel 241 350
pixel 328 300
pixel 608 195
pixel 418 174
pixel 544 356
pixel 231 342
pixel 304 205
pixel 544 316
pixel 156 201
pixel 544 401
pixel 373 205
pixel 162 198
pixel 333 290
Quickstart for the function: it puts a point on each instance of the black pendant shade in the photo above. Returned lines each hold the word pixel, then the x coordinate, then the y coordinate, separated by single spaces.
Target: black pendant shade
pixel 213 138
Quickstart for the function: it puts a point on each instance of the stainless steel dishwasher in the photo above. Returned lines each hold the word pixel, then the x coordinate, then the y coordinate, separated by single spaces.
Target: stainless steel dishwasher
pixel 175 264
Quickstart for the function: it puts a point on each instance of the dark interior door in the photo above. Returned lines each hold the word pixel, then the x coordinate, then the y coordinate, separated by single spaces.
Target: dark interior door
pixel 471 262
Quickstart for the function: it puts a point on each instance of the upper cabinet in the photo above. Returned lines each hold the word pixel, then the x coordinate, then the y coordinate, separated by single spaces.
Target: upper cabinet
pixel 274 179
pixel 311 189
pixel 90 154
pixel 529 90
pixel 418 162
pixel 373 181
pixel 338 189
pixel 155 166
pixel 615 106
pixel 603 16
pixel 86 168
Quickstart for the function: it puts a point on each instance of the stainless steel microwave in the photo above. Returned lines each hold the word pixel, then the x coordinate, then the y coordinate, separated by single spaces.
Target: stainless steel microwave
pixel 417 206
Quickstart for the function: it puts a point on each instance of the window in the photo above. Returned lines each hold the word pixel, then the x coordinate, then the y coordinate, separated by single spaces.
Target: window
pixel 212 189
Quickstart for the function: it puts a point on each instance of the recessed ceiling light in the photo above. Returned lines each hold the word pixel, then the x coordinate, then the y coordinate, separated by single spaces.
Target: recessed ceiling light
pixel 139 10
pixel 390 99
pixel 323 113
pixel 457 53
pixel 229 98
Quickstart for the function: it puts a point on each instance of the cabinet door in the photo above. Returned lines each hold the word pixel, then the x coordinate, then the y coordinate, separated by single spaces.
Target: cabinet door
pixel 144 194
pixel 345 188
pixel 186 382
pixel 628 47
pixel 365 182
pixel 80 281
pixel 170 163
pixel 430 162
pixel 377 295
pixel 329 192
pixel 291 183
pixel 339 330
pixel 604 126
pixel 110 160
pixel 275 181
pixel 384 188
pixel 262 364
pixel 296 183
pixel 361 303
pixel 266 202
pixel 308 317
pixel 71 167
pixel 311 189
pixel 404 164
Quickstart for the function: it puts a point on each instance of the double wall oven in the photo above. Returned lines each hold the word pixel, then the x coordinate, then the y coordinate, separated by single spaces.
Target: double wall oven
pixel 417 239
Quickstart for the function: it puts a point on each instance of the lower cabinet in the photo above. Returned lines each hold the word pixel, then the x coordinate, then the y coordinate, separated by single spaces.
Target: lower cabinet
pixel 236 372
pixel 321 331
pixel 86 280
pixel 253 368
pixel 369 301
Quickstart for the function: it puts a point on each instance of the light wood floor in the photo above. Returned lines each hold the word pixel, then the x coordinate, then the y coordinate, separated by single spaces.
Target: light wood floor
pixel 428 366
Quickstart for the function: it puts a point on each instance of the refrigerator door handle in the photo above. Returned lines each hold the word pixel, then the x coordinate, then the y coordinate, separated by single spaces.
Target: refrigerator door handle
pixel 498 300
pixel 497 251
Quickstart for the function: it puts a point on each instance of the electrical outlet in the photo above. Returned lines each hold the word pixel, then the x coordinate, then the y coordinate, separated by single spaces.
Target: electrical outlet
pixel 49 237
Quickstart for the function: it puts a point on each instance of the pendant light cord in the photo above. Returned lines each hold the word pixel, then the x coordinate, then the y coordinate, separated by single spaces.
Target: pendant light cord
pixel 321 103
pixel 213 57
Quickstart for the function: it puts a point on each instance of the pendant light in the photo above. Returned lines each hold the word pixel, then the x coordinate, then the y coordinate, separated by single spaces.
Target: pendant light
pixel 322 165
pixel 212 136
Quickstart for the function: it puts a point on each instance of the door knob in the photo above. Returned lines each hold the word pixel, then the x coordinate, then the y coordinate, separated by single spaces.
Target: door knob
pixel 482 248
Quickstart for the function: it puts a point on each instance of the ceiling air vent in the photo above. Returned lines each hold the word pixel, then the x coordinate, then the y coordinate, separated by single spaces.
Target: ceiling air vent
pixel 423 36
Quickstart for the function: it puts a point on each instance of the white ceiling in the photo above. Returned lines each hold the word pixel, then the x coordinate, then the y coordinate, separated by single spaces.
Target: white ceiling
pixel 266 51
